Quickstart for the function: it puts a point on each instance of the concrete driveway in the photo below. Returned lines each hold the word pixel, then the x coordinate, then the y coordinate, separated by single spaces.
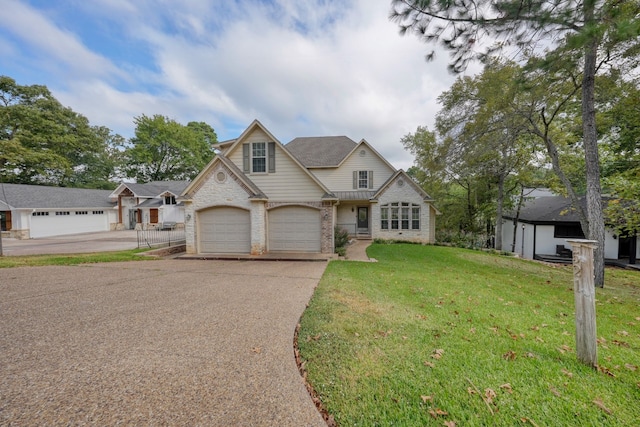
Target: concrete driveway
pixel 72 243
pixel 170 342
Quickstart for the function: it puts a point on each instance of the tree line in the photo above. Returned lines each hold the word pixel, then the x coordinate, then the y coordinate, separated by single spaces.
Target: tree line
pixel 46 143
pixel 568 102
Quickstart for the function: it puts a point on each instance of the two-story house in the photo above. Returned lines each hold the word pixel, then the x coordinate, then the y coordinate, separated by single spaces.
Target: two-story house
pixel 258 195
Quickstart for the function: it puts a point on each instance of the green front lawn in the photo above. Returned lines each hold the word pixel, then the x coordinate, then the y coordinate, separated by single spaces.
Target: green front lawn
pixel 73 259
pixel 442 336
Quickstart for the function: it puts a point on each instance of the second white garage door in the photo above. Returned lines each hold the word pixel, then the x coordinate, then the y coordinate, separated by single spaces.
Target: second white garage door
pixel 224 230
pixel 294 229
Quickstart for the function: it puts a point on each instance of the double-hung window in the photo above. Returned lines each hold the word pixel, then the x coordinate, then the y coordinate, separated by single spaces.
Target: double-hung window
pixel 362 180
pixel 258 157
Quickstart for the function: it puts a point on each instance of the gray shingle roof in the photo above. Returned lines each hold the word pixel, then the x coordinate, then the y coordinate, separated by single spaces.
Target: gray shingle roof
pixel 549 210
pixel 320 151
pixel 22 196
pixel 156 188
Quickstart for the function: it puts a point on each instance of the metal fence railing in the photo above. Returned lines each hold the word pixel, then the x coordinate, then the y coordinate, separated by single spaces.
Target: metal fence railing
pixel 158 238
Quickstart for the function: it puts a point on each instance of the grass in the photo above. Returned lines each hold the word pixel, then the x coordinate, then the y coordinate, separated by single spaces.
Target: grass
pixel 442 336
pixel 72 259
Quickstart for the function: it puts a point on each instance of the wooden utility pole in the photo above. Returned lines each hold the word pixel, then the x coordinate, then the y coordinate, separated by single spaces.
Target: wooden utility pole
pixel 585 300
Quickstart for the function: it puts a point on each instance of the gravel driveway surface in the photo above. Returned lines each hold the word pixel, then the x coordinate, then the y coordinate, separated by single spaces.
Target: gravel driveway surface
pixel 170 342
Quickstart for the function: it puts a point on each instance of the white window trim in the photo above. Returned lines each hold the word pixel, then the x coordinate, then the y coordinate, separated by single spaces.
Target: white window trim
pixel 394 216
pixel 252 157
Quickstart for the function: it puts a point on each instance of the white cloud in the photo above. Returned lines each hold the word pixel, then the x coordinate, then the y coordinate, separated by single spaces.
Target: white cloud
pixel 57 48
pixel 302 68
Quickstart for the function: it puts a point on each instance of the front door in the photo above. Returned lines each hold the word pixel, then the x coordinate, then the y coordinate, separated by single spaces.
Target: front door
pixel 133 214
pixel 363 219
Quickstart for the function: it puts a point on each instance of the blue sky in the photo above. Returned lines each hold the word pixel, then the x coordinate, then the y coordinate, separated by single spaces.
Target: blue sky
pixel 303 68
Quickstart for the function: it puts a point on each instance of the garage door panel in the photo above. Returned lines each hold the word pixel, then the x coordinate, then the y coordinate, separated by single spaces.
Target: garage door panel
pixel 225 230
pixel 58 225
pixel 294 229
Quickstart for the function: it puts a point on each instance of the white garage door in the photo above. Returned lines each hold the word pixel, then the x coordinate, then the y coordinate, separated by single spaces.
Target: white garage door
pixel 224 230
pixel 58 223
pixel 294 229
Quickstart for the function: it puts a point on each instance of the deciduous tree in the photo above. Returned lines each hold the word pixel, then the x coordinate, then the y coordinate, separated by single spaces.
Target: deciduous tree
pixel 596 29
pixel 163 149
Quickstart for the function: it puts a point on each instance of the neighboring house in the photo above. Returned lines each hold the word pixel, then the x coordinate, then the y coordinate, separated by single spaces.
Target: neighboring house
pixel 148 205
pixel 546 223
pixel 259 196
pixel 31 211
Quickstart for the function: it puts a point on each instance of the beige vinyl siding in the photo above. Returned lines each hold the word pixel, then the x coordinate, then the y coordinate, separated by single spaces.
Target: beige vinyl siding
pixel 290 183
pixel 341 179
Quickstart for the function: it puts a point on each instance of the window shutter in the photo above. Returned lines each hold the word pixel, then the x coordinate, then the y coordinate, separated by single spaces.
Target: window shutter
pixel 370 180
pixel 272 157
pixel 355 180
pixel 245 158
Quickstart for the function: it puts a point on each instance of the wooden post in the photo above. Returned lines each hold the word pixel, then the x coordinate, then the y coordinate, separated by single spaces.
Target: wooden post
pixel 585 300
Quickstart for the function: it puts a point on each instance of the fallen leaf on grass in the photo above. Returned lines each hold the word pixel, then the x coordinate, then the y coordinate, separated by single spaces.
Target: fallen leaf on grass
pixel 620 343
pixel 623 333
pixel 630 367
pixel 421 317
pixel 489 395
pixel 470 390
pixel 606 371
pixel 528 420
pixel 567 373
pixel 426 399
pixel 506 387
pixel 598 402
pixel 435 413
pixel 313 338
pixel 429 364
pixel 509 355
pixel 539 339
pixel 554 390
pixel 564 348
pixel 437 353
pixel 449 424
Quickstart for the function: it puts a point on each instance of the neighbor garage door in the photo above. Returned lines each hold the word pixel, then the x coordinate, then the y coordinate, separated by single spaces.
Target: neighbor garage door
pixel 224 230
pixel 294 229
pixel 58 223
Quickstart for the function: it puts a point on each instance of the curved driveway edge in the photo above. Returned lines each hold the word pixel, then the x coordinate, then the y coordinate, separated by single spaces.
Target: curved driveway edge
pixel 155 343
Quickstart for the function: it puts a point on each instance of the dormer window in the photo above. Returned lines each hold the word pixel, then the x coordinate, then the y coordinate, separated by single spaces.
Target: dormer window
pixel 169 200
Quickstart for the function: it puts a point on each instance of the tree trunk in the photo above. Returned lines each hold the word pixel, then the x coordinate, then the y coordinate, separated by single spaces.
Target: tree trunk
pixel 515 221
pixel 592 158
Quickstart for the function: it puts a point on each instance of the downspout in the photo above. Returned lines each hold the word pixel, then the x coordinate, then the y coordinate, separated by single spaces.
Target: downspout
pixel 535 235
